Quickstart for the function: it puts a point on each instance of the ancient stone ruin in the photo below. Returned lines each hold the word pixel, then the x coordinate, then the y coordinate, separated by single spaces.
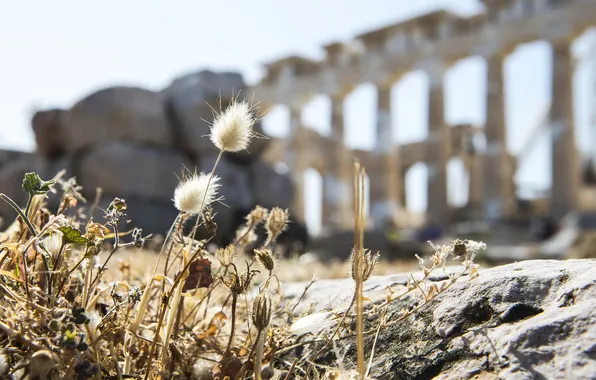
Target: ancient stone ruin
pixel 433 43
pixel 134 144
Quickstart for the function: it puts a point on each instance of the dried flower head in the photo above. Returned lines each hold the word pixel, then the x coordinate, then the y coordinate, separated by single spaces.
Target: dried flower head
pixel 266 258
pixel 277 221
pixel 93 229
pixel 363 268
pixel 196 192
pixel 245 235
pixel 225 255
pixel 232 129
pixel 257 215
pixel 442 252
pixel 238 283
pixel 261 312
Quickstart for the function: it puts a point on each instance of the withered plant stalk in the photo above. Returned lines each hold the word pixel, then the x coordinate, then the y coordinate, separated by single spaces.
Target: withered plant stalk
pixel 359 262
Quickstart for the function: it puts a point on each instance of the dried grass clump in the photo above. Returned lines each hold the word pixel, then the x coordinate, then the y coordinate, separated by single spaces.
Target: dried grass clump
pixel 73 306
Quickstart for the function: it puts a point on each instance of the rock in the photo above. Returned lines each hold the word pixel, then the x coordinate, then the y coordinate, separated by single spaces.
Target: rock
pixel 528 320
pixel 238 199
pixel 271 187
pixel 48 127
pixel 191 101
pixel 9 156
pixel 131 170
pixel 12 173
pixel 117 113
pixel 338 246
pixel 151 215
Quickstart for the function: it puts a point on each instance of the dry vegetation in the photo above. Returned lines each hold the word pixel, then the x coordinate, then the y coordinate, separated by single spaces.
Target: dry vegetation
pixel 82 299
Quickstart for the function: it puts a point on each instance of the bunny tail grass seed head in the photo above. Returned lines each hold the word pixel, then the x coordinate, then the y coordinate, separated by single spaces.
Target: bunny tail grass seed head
pixel 232 129
pixel 196 192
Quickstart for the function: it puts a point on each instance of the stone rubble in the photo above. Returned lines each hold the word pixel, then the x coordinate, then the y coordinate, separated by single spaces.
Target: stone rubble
pixel 136 143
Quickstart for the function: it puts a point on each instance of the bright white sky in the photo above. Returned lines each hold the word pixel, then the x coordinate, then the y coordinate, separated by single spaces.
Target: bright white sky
pixel 55 52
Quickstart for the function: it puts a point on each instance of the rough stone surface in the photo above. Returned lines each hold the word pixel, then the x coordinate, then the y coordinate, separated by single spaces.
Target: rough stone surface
pixel 131 170
pixel 48 127
pixel 271 187
pixel 338 246
pixel 135 144
pixel 141 213
pixel 527 320
pixel 117 113
pixel 12 173
pixel 191 101
pixel 236 190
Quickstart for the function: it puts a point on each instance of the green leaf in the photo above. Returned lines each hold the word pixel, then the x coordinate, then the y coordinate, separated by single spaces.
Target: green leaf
pixel 72 235
pixel 34 185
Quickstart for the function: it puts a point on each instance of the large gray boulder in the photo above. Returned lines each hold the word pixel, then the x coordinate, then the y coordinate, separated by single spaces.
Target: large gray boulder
pixel 271 187
pixel 48 127
pixel 153 216
pixel 238 197
pixel 527 320
pixel 192 100
pixel 12 172
pixel 129 169
pixel 117 113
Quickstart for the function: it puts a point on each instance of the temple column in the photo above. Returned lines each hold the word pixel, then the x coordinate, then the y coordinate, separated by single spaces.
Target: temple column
pixel 339 179
pixel 438 146
pixel 293 160
pixel 565 165
pixel 499 188
pixel 386 186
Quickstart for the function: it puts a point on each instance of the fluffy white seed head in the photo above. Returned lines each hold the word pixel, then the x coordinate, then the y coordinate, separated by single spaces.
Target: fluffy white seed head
pixel 195 192
pixel 232 129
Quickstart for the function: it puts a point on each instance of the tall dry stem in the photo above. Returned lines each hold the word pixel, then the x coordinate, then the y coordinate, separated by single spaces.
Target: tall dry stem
pixel 359 262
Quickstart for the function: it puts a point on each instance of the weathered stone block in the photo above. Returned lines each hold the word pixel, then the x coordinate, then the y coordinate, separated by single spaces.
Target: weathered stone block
pixel 121 168
pixel 191 101
pixel 117 113
pixel 271 187
pixel 48 127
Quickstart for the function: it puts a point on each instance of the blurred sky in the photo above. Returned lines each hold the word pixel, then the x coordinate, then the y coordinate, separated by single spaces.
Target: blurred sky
pixel 55 52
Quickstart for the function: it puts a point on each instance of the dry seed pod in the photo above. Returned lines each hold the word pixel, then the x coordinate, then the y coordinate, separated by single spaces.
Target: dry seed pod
pixel 261 312
pixel 277 221
pixel 266 258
